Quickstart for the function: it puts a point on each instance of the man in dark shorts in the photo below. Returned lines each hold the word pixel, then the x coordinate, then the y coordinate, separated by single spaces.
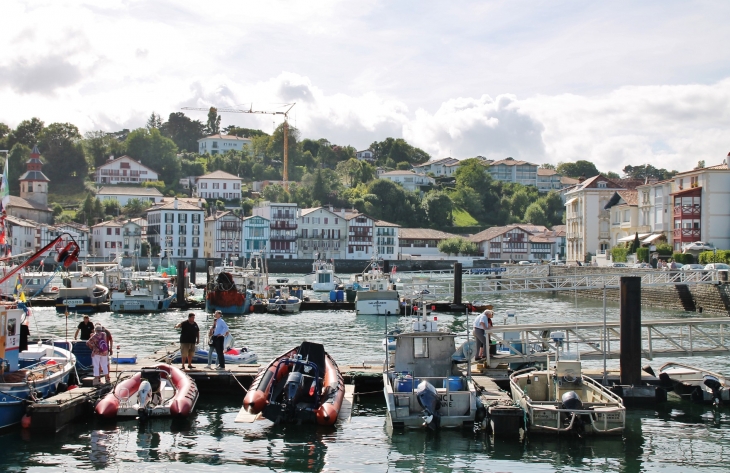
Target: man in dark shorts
pixel 86 328
pixel 189 338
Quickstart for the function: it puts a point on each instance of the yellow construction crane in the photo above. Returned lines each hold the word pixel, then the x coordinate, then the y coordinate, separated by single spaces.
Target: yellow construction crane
pixel 285 171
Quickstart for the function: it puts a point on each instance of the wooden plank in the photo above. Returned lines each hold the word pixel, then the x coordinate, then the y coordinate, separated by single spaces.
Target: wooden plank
pixel 490 390
pixel 245 417
pixel 345 413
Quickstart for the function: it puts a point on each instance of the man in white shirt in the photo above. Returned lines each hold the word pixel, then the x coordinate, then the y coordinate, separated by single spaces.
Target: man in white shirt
pixel 220 332
pixel 480 325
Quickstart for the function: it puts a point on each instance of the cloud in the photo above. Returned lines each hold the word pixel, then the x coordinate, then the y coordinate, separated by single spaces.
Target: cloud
pixel 43 75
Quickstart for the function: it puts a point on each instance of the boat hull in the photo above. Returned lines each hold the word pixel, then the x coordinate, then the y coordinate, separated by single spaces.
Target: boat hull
pixel 377 307
pixel 265 395
pixel 141 306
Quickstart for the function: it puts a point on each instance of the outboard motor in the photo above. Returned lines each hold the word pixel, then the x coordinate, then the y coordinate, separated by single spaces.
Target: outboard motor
pixel 429 400
pixel 570 401
pixel 293 388
pixel 144 395
pixel 716 387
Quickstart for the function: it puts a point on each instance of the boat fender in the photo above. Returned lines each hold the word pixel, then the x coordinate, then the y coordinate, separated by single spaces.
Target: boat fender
pixel 25 421
pixel 62 387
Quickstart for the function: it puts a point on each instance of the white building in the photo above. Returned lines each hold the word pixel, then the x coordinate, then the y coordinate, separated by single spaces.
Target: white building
pixel 408 179
pixel 421 242
pixel 176 228
pixel 445 167
pixel 219 185
pixel 124 194
pixel 219 143
pixel 387 239
pixel 80 233
pixel 282 219
pixel 365 155
pixel 322 232
pixel 512 170
pixel 360 229
pixel 124 170
pixel 21 235
pixel 223 236
pixel 107 239
pixel 256 231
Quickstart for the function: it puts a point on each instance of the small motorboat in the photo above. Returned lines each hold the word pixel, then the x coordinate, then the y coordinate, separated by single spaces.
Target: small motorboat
pixel 284 304
pixel 161 390
pixel 563 401
pixel 695 384
pixel 233 355
pixel 304 385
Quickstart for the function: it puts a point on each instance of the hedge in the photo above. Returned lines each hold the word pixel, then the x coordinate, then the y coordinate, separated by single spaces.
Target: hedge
pixel 721 256
pixel 683 258
pixel 618 255
pixel 642 255
pixel 664 249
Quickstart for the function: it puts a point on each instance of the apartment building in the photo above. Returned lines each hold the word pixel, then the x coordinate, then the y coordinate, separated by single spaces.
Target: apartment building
pixel 516 243
pixel 322 232
pixel 408 179
pixel 124 170
pixel 360 231
pixel 282 219
pixel 445 167
pixel 176 228
pixel 255 235
pixel 387 239
pixel 219 185
pixel 123 194
pixel 219 143
pixel 223 236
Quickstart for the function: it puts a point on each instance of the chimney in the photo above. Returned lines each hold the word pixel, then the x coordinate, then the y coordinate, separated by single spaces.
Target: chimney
pixel 174 203
pixel 342 212
pixel 582 178
pixel 200 202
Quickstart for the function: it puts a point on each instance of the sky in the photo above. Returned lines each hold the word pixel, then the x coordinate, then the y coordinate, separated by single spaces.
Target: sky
pixel 616 83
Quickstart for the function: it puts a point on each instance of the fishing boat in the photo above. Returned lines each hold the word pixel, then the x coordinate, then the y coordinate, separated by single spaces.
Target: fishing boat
pixel 695 384
pixel 422 384
pixel 285 303
pixel 235 290
pixel 36 373
pixel 82 293
pixel 160 390
pixel 142 295
pixel 322 278
pixel 375 293
pixel 563 401
pixel 304 385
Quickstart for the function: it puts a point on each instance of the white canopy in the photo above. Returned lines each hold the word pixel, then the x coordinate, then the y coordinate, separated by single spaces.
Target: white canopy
pixel 631 237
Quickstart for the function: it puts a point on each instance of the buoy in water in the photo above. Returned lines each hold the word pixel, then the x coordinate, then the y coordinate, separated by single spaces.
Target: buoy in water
pixel 25 422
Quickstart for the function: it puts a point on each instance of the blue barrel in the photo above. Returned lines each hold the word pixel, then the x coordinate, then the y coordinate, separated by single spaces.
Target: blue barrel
pixel 404 384
pixel 454 383
pixel 340 296
pixel 333 295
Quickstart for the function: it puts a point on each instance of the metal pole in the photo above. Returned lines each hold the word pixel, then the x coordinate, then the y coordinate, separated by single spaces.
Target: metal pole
pixel 630 330
pixel 468 358
pixel 605 338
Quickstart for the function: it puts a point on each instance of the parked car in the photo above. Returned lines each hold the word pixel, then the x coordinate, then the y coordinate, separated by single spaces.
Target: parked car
pixel 720 266
pixel 525 263
pixel 692 267
pixel 642 266
pixel 618 265
pixel 557 263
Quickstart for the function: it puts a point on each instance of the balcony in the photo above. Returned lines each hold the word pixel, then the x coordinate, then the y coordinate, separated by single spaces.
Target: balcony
pixel 283 238
pixel 283 225
pixel 604 235
pixel 687 211
pixel 687 234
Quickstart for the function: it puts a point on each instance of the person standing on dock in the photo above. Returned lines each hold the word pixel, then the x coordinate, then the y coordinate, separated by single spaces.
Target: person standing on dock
pixel 211 346
pixel 220 332
pixel 189 338
pixel 480 324
pixel 86 327
pixel 99 354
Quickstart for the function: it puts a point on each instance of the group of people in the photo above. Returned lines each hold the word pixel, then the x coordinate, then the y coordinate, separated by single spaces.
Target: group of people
pixel 100 341
pixel 190 338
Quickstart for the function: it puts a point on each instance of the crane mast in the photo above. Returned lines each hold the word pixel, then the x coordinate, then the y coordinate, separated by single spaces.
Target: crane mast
pixel 285 170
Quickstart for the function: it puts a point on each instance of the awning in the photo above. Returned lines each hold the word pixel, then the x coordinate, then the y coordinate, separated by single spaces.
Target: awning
pixel 651 238
pixel 631 237
pixel 571 200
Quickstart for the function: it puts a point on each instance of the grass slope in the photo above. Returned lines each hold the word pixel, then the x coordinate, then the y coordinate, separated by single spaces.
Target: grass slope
pixel 462 218
pixel 69 194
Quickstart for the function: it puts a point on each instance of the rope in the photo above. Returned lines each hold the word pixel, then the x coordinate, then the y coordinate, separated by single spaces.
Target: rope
pixel 236 379
pixel 14 397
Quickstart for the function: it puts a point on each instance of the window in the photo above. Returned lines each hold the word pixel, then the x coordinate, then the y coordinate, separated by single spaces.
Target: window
pixel 182 241
pixel 224 185
pixel 420 347
pixel 117 231
pixel 168 229
pixel 169 217
pixel 216 185
pixel 602 185
pixel 325 220
pixel 182 218
pixel 196 241
pixel 196 218
pixel 182 230
pixel 108 231
pixel 196 229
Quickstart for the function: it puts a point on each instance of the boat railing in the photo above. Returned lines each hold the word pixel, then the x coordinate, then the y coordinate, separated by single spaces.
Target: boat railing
pixel 446 391
pixel 127 374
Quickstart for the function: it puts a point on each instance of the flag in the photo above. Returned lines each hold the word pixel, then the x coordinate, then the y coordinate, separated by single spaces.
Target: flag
pixel 5 188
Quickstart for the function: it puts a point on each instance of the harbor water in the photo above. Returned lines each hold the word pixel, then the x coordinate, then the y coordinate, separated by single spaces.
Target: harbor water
pixel 676 436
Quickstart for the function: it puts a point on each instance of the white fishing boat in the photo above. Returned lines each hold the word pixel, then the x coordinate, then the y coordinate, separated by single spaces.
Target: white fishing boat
pixel 36 373
pixel 322 278
pixel 81 292
pixel 285 303
pixel 143 295
pixel 560 400
pixel 695 384
pixel 375 292
pixel 423 387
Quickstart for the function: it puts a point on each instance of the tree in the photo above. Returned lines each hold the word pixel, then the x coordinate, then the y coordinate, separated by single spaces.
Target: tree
pixel 112 207
pixel 154 121
pixel 469 200
pixel 467 247
pixel 19 154
pixel 519 203
pixel 403 166
pixel 646 171
pixel 397 150
pixel 580 168
pixel 243 132
pixel 547 166
pixel 213 126
pixel 61 146
pixel 473 174
pixel 155 151
pixel 28 133
pixel 535 215
pixel 450 246
pixel 438 208
pixel 183 131
pixel 136 207
pixel 99 146
pixel 57 210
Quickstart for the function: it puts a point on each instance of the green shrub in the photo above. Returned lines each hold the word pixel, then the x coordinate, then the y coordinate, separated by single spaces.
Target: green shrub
pixel 618 255
pixel 719 256
pixel 683 258
pixel 664 249
pixel 642 255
